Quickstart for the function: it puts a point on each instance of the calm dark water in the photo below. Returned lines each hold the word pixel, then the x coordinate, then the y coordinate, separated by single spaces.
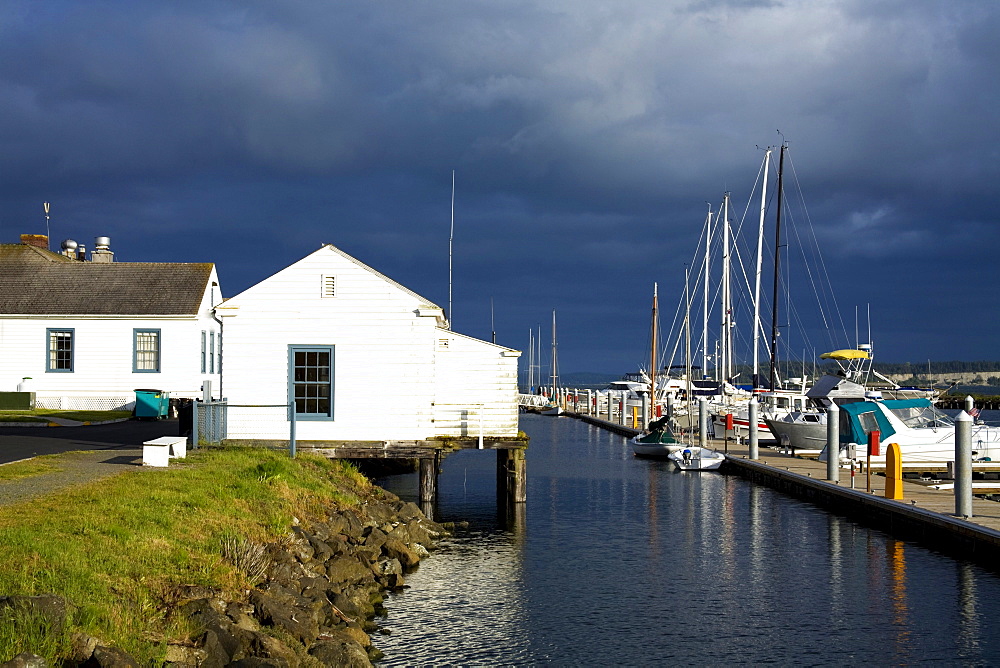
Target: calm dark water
pixel 630 562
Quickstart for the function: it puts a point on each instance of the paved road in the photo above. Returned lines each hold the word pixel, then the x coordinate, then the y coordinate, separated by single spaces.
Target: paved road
pixel 18 443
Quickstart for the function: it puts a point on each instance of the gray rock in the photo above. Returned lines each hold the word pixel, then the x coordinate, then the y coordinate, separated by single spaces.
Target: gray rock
pixel 338 649
pixel 295 615
pixel 52 609
pixel 110 657
pixel 26 660
pixel 82 647
pixel 396 549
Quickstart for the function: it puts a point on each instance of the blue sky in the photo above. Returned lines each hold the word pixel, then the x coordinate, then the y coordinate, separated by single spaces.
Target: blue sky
pixel 586 138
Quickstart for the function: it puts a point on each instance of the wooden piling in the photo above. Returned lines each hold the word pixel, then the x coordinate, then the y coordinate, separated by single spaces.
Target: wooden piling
pixel 428 479
pixel 512 479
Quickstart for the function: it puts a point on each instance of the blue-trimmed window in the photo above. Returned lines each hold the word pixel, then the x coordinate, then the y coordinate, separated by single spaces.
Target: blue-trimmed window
pixel 145 351
pixel 211 352
pixel 310 381
pixel 59 347
pixel 203 335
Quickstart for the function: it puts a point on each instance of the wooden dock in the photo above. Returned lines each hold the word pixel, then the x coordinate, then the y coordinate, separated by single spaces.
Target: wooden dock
pixel 925 515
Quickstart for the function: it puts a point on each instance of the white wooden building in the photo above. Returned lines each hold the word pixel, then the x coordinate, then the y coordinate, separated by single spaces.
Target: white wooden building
pixel 88 333
pixel 362 357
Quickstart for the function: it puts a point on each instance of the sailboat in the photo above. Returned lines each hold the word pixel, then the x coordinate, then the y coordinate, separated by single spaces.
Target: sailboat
pixel 554 408
pixel 657 440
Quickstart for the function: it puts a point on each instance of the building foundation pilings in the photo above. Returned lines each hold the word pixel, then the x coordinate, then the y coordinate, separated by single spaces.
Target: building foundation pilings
pixel 512 478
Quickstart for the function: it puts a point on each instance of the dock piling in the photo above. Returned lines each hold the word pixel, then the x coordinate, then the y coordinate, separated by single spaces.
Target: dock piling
pixel 428 480
pixel 752 415
pixel 833 443
pixel 512 476
pixel 963 465
pixel 702 422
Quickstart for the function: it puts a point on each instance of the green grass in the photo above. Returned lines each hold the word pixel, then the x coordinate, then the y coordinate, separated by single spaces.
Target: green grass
pixel 43 415
pixel 31 467
pixel 117 549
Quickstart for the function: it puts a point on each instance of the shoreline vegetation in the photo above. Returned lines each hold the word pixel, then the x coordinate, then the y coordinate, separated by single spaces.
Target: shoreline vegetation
pixel 233 556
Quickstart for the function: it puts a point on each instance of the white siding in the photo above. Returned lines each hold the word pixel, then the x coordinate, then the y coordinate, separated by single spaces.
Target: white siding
pixel 102 375
pixel 384 336
pixel 476 384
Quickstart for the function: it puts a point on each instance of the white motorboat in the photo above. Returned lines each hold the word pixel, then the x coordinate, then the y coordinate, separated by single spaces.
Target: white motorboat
pixel 695 458
pixel 923 432
pixel 805 429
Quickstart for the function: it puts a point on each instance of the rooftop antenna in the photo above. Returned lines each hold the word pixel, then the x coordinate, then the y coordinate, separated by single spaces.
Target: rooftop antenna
pixel 493 326
pixel 45 205
pixel 451 240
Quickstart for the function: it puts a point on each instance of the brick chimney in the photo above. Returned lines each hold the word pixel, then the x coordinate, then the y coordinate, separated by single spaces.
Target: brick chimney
pixel 37 240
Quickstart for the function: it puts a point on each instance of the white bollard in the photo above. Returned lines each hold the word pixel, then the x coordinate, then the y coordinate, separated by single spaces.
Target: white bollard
pixel 754 437
pixel 702 422
pixel 963 465
pixel 833 443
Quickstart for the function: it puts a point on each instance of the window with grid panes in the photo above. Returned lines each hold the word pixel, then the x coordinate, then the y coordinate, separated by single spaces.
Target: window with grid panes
pixel 311 382
pixel 60 350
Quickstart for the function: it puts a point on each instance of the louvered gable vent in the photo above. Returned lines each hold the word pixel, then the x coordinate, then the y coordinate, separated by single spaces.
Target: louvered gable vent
pixel 329 287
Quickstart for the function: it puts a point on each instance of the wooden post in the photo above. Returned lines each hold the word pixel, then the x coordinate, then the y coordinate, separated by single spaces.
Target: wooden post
pixel 512 483
pixel 428 480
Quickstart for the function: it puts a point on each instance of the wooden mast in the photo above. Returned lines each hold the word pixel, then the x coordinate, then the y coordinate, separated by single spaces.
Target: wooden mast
pixel 652 364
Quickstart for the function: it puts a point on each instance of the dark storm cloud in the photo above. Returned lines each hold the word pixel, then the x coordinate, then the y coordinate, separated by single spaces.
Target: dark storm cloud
pixel 586 137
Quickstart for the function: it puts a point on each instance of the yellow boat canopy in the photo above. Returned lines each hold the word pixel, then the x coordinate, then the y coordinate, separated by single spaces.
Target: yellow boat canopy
pixel 848 354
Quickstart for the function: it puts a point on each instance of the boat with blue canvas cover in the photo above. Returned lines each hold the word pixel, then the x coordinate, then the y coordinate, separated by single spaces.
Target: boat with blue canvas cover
pixel 924 433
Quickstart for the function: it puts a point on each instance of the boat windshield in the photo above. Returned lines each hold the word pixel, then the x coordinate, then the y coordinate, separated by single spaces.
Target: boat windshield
pixel 920 417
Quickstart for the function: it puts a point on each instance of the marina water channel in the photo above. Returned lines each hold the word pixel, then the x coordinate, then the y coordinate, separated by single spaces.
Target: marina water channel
pixel 625 561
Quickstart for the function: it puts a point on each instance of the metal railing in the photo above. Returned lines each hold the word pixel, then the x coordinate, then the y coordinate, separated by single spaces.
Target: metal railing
pixel 211 421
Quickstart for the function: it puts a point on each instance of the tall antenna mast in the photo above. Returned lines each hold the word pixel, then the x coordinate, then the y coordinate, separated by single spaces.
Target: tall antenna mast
pixel 493 326
pixel 451 240
pixel 45 205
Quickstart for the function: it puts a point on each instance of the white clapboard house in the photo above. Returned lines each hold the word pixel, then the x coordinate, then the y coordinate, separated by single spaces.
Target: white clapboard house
pixel 361 357
pixel 86 333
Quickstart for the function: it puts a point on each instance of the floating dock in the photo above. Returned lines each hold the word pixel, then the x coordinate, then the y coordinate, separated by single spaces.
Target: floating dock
pixel 925 514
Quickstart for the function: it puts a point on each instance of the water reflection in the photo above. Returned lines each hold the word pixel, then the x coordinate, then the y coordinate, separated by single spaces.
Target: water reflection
pixel 615 560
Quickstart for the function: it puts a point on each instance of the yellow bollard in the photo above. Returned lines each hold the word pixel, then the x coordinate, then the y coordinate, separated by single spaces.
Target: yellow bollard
pixel 893 472
pixel 635 417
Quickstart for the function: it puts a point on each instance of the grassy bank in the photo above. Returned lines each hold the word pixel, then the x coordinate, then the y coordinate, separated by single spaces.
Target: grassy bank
pixel 117 549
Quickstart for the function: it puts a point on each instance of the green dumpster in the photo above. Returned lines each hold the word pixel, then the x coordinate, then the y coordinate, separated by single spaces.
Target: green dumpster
pixel 152 404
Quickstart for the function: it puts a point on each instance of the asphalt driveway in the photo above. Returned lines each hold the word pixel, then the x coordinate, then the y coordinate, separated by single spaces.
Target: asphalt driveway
pixel 18 443
pixel 100 451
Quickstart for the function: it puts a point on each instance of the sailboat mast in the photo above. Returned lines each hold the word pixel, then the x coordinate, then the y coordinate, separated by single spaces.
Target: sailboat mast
pixel 727 312
pixel 652 363
pixel 555 368
pixel 777 266
pixel 756 289
pixel 687 342
pixel 531 361
pixel 704 314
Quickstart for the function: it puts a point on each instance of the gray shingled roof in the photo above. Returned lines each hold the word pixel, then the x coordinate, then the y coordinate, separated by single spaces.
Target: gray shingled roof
pixel 34 281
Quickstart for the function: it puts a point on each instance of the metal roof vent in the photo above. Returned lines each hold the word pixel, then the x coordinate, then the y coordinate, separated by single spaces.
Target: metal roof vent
pixel 68 247
pixel 102 250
